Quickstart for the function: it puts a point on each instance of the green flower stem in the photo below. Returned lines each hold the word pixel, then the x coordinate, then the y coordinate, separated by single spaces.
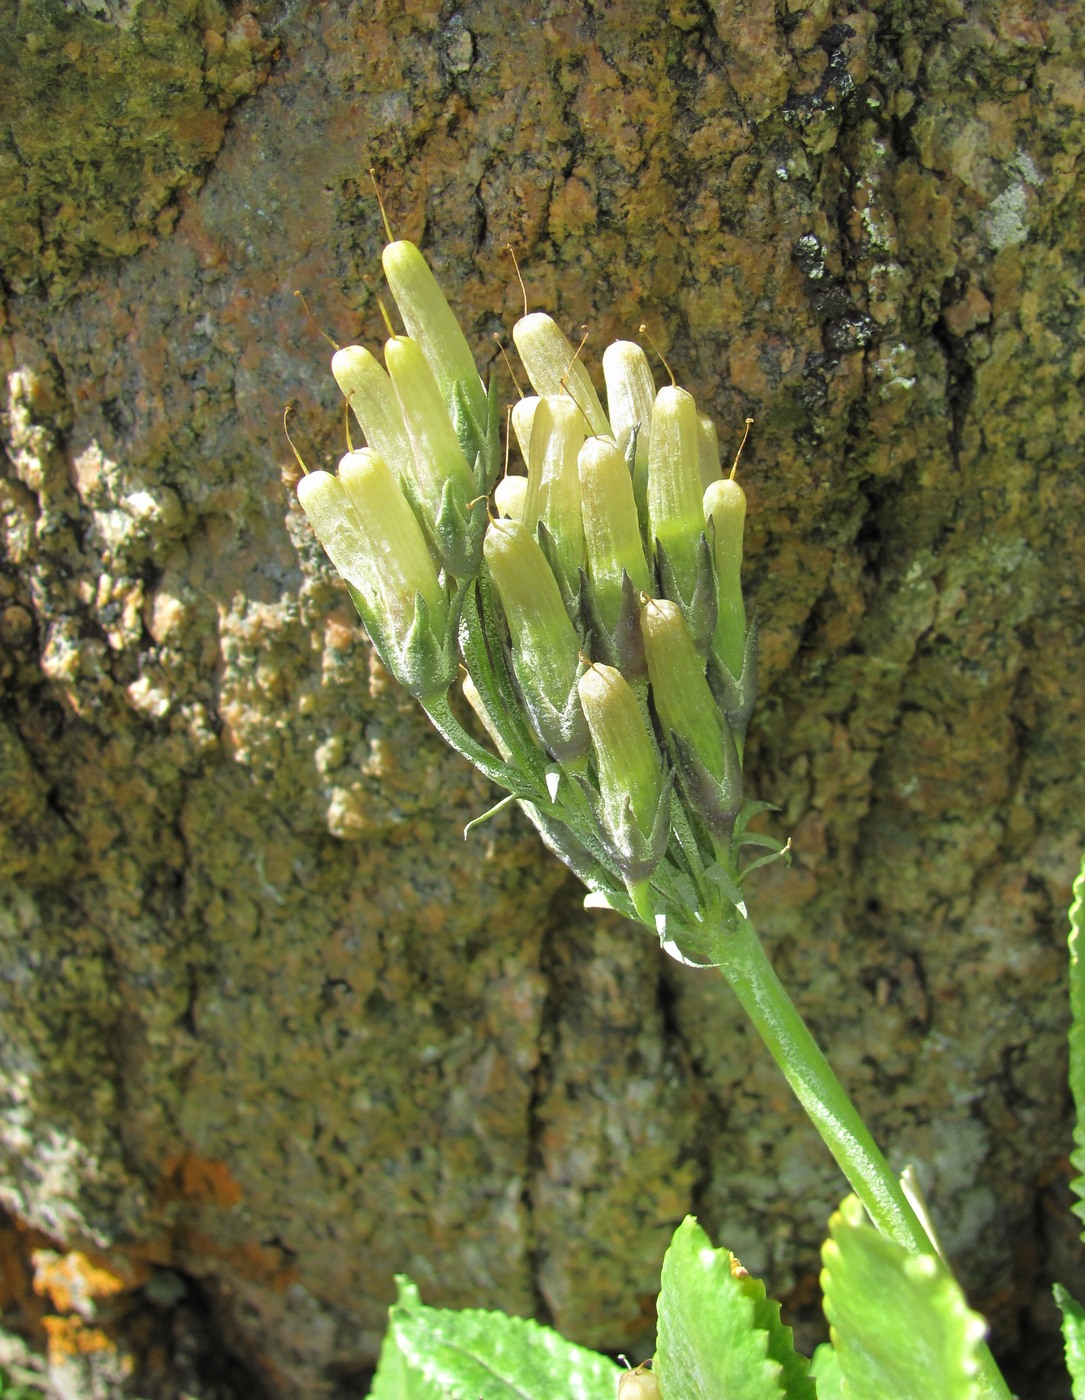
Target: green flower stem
pixel 746 967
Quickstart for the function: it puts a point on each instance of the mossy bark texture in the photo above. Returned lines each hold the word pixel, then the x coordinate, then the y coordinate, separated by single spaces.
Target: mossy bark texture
pixel 271 1030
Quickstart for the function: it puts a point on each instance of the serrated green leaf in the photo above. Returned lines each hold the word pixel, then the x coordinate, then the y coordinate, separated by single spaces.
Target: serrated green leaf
pixel 825 1368
pixel 1073 1338
pixel 1077 1039
pixel 794 1368
pixel 899 1322
pixel 437 1354
pixel 718 1333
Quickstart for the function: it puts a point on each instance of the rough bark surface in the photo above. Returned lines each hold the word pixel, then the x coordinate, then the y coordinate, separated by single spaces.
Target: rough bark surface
pixel 271 1030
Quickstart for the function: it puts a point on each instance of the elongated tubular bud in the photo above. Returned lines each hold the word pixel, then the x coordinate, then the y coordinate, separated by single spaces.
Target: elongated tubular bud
pixel 545 647
pixel 431 322
pixel 553 368
pixel 523 416
pixel 709 444
pixel 437 454
pixel 612 537
pixel 403 563
pixel 627 759
pixel 631 393
pixel 338 529
pixel 510 493
pixel 370 534
pixel 368 389
pixel 553 486
pixel 680 692
pixel 725 507
pixel 675 512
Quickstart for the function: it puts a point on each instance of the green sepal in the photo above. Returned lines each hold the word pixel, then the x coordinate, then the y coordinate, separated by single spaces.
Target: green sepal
pixel 742 838
pixel 424 664
pixel 750 809
pixel 480 445
pixel 779 852
pixel 736 695
pixel 725 882
pixel 453 733
pixel 640 478
pixel 569 598
pixel 458 531
pixel 635 855
pixel 470 432
pixel 587 864
pixel 690 847
pixel 715 803
pixel 624 646
pixel 700 610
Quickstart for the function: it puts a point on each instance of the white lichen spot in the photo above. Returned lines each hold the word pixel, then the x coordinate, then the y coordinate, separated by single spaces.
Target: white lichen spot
pixel 1006 218
pixel 1026 167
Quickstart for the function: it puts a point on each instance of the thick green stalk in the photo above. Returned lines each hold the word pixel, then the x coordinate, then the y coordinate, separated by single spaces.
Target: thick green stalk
pixel 745 965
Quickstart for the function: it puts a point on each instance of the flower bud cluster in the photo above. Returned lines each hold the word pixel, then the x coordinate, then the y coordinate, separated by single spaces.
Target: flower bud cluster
pixel 595 606
pixel 401 521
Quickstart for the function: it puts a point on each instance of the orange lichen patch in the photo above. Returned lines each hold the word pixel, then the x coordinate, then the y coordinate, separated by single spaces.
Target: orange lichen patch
pixel 70 1336
pixel 74 1282
pixel 198 1179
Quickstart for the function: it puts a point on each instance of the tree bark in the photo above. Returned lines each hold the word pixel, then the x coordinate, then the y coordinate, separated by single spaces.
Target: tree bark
pixel 271 1030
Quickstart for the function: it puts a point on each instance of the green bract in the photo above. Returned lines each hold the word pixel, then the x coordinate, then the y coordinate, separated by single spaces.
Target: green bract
pixel 592 601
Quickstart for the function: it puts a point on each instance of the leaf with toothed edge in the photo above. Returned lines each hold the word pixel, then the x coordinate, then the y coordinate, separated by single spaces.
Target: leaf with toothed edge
pixel 435 1354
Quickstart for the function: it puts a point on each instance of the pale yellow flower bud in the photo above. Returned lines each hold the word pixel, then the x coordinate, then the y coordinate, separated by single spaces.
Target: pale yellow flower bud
pixel 438 457
pixel 431 322
pixel 675 516
pixel 510 494
pixel 368 389
pixel 545 647
pixel 523 416
pixel 553 366
pixel 631 393
pixel 627 760
pixel 553 487
pixel 612 536
pixel 680 692
pixel 370 534
pixel 725 507
pixel 709 444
